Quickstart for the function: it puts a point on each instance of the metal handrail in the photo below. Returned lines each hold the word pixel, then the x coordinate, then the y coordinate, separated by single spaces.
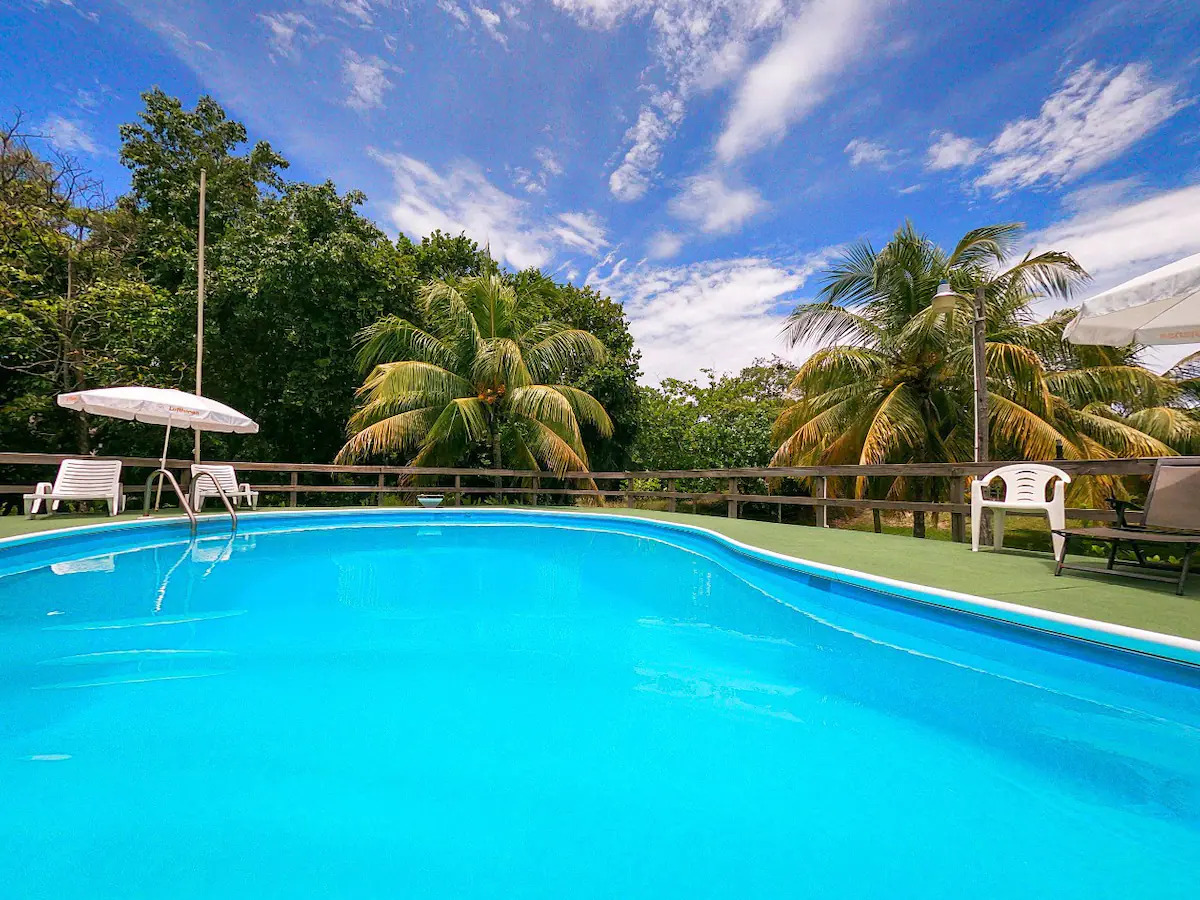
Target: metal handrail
pixel 183 504
pixel 221 492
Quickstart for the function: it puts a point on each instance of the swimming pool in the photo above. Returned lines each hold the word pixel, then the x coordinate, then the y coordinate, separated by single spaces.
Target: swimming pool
pixel 499 704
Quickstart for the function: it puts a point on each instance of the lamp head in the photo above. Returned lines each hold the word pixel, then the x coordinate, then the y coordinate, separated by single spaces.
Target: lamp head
pixel 945 299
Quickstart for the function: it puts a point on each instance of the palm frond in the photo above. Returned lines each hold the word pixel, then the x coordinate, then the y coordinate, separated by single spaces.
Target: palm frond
pixel 550 353
pixel 587 408
pixel 989 244
pixel 897 424
pixel 399 434
pixel 393 338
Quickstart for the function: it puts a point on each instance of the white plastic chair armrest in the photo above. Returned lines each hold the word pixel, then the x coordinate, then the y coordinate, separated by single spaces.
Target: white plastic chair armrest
pixel 1060 492
pixel 44 487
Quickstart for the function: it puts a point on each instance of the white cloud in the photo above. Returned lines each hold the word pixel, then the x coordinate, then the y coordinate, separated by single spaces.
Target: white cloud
pixel 462 199
pixel 664 245
pixel 869 153
pixel 366 76
pixel 796 73
pixel 535 180
pixel 698 45
pixel 452 9
pixel 70 135
pixel 712 205
pixel 1094 118
pixel 581 231
pixel 92 17
pixel 491 23
pixel 1091 120
pixel 283 29
pixel 359 10
pixel 1118 241
pixel 949 151
pixel 719 314
pixel 655 124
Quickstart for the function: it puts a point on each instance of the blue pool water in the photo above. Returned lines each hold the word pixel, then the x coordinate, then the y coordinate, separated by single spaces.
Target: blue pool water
pixel 434 705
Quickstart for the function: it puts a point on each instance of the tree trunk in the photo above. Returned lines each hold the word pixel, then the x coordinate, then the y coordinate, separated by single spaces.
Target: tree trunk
pixel 498 481
pixel 877 521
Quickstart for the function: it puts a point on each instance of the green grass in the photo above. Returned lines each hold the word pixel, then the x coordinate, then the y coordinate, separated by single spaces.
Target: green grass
pixel 1014 575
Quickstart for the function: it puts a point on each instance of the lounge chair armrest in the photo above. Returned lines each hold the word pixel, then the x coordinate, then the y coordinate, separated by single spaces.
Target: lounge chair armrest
pixel 44 487
pixel 244 487
pixel 1120 507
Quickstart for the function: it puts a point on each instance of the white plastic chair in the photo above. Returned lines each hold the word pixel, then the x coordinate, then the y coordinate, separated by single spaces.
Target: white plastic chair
pixel 227 478
pixel 80 479
pixel 1024 489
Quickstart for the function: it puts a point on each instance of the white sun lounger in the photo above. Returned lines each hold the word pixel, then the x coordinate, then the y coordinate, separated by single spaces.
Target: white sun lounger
pixel 80 479
pixel 227 478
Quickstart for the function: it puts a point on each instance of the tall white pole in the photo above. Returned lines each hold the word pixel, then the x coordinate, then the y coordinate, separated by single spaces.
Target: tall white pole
pixel 200 311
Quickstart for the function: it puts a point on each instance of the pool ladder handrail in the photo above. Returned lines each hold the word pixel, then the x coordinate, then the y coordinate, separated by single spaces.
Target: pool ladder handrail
pixel 183 501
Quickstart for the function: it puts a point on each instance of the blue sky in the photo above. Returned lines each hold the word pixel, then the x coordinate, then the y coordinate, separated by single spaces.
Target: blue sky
pixel 700 160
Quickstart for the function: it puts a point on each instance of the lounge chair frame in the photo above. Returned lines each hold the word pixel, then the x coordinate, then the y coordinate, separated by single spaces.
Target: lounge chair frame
pixel 1157 528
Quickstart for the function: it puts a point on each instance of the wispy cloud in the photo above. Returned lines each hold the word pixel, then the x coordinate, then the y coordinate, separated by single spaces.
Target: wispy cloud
pixel 796 74
pixel 712 205
pixel 949 151
pixel 70 135
pixel 535 180
pixel 452 9
pixel 863 152
pixel 1116 239
pixel 720 313
pixel 366 76
pixel 88 14
pixel 698 45
pixel 460 198
pixel 581 231
pixel 283 29
pixel 491 23
pixel 655 124
pixel 359 11
pixel 1091 120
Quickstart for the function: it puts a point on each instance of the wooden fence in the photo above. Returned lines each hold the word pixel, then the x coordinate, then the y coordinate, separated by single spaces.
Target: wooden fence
pixel 293 480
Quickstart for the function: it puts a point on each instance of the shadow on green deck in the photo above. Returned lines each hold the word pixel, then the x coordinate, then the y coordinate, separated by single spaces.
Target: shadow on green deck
pixel 1015 576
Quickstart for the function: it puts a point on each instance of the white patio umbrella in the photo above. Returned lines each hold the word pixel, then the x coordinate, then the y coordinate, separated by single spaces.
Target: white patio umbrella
pixel 1160 307
pixel 160 406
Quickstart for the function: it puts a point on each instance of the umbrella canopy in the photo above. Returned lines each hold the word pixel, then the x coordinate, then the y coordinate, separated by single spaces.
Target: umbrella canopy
pixel 160 406
pixel 1160 307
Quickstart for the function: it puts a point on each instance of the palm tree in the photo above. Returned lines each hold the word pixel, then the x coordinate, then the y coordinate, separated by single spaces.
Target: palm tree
pixel 479 377
pixel 893 384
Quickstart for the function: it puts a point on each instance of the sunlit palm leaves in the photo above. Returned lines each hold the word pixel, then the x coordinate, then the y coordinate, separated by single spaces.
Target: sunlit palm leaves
pixel 478 377
pixel 893 380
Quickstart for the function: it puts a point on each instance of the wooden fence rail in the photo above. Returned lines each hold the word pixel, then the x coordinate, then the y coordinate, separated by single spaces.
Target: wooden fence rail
pixel 727 485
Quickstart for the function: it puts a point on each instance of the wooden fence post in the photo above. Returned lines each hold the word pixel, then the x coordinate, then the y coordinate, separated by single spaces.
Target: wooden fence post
pixel 958 523
pixel 379 492
pixel 732 510
pixel 458 493
pixel 822 486
pixel 629 492
pixel 670 490
pixel 537 486
pixel 294 499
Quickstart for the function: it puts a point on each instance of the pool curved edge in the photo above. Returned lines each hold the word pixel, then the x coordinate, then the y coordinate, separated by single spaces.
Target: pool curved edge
pixel 1122 637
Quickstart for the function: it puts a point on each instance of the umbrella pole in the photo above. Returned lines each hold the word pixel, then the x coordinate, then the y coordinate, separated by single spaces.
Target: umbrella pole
pixel 162 465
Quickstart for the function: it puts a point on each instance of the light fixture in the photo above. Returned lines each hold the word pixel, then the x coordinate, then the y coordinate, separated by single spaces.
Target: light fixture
pixel 945 299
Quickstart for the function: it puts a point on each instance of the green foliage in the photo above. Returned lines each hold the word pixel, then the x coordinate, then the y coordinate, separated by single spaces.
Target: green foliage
pixel 722 422
pixel 482 379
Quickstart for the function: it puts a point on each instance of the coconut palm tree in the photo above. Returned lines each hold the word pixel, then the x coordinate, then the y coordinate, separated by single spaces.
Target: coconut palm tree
pixel 481 376
pixel 892 382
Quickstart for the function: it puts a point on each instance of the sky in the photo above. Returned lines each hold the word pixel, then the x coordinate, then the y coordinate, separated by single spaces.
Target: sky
pixel 701 161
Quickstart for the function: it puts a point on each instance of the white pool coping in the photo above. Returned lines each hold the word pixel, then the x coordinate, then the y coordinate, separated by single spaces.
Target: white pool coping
pixel 1124 637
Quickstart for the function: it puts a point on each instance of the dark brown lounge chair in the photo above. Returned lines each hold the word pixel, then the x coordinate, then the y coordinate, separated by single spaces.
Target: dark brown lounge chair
pixel 1171 516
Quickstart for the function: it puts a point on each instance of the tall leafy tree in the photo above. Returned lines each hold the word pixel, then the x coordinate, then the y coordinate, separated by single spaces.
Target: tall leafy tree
pixel 481 380
pixel 292 283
